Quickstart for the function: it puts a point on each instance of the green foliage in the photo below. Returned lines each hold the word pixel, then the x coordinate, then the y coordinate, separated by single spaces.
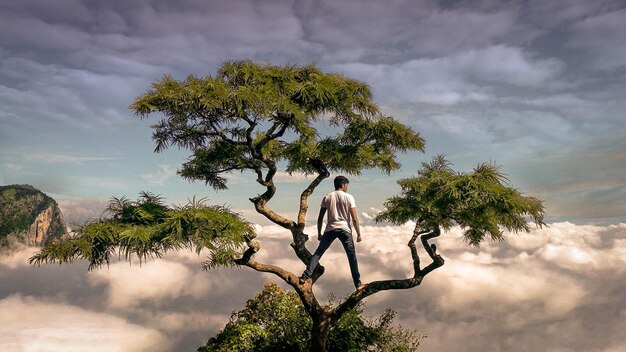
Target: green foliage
pixel 356 333
pixel 275 320
pixel 147 228
pixel 147 210
pixel 249 114
pixel 482 202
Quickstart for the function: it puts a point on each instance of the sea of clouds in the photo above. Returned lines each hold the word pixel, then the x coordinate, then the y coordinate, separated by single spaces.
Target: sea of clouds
pixel 558 288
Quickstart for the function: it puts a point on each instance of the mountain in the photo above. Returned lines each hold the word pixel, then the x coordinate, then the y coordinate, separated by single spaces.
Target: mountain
pixel 29 215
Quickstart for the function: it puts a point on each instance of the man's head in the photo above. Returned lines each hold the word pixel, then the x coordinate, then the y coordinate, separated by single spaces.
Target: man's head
pixel 340 181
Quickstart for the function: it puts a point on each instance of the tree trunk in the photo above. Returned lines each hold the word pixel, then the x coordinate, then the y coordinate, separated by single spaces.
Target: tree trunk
pixel 319 333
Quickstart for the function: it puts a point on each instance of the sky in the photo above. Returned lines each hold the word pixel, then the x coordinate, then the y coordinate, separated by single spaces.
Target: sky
pixel 535 86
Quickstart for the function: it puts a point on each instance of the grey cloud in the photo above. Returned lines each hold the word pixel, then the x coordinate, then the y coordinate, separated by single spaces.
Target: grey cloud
pixel 398 31
pixel 91 60
pixel 600 201
pixel 602 39
pixel 64 94
pixel 72 11
pixel 41 36
pixel 449 53
pixel 454 79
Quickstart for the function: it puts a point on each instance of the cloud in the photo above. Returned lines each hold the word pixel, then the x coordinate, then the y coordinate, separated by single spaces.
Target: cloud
pixel 532 282
pixel 553 289
pixel 397 31
pixel 79 210
pixel 601 38
pixel 294 177
pixel 367 217
pixel 12 167
pixel 563 12
pixel 165 173
pixel 30 324
pixel 64 94
pixel 503 292
pixel 455 79
pixel 54 158
pixel 16 257
pixel 129 284
pixel 498 77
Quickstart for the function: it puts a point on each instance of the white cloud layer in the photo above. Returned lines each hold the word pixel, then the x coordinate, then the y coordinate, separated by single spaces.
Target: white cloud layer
pixel 30 324
pixel 127 285
pixel 555 289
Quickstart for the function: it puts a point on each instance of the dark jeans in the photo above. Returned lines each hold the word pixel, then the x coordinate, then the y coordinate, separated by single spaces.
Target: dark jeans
pixel 345 237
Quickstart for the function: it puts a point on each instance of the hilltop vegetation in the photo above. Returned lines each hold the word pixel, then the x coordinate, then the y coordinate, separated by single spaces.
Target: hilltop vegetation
pixel 276 320
pixel 29 215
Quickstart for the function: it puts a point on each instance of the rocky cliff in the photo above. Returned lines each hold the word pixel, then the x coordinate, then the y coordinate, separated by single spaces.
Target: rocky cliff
pixel 29 215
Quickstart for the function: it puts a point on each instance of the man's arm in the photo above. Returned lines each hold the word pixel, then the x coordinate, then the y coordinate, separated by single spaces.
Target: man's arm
pixel 320 222
pixel 355 222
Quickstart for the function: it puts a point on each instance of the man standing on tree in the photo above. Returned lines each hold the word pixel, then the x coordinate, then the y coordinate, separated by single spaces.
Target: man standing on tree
pixel 341 210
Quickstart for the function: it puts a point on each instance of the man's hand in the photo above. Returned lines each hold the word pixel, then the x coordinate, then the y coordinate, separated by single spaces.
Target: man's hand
pixel 358 238
pixel 319 236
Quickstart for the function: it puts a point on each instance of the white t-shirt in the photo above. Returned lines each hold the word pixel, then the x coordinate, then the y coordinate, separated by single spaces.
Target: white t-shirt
pixel 338 205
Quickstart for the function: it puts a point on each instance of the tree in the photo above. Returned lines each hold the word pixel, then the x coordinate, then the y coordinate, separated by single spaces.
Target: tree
pixel 275 320
pixel 253 118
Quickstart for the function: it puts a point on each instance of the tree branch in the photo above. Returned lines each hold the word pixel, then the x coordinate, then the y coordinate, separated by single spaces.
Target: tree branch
pixel 416 260
pixel 270 135
pixel 297 231
pixel 431 249
pixel 416 280
pixel 305 291
pixel 322 174
pixel 260 202
pixel 261 207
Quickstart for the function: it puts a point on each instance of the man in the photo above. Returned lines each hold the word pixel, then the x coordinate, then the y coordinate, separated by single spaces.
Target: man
pixel 341 210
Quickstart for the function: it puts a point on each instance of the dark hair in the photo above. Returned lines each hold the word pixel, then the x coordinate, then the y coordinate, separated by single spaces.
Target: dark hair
pixel 339 181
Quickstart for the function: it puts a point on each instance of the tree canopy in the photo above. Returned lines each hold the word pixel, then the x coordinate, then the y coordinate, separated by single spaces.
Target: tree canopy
pixel 481 202
pixel 148 228
pixel 251 116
